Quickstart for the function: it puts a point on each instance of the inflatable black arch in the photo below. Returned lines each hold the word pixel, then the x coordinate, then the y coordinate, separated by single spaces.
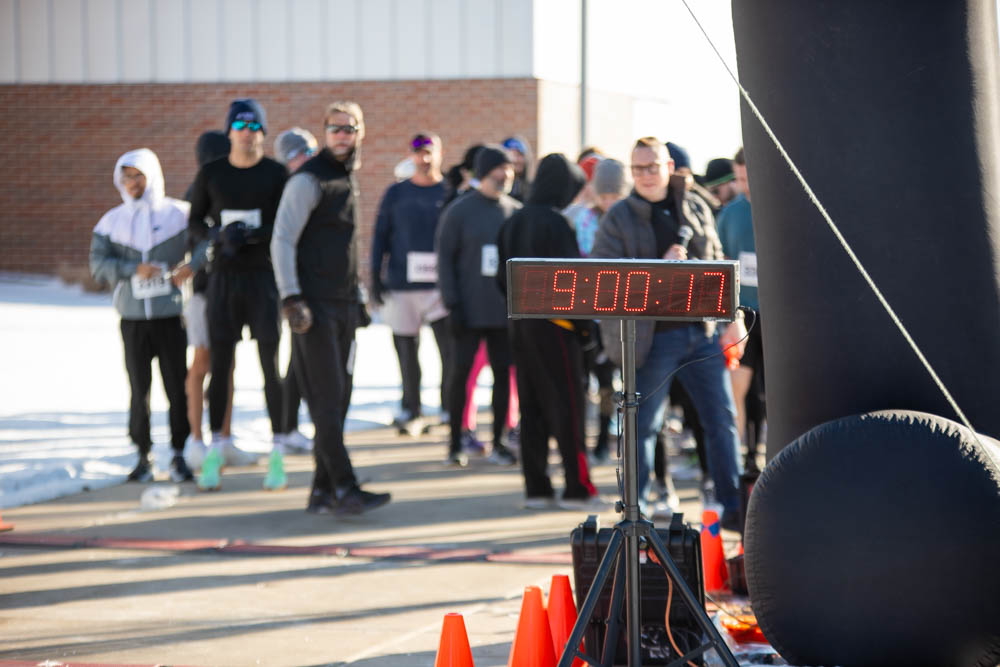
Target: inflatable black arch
pixel 889 109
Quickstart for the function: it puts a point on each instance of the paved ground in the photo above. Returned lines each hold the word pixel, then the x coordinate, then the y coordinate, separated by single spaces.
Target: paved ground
pixel 244 577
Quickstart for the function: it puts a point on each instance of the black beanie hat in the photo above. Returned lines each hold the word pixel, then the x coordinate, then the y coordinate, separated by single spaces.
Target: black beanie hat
pixel 247 109
pixel 489 157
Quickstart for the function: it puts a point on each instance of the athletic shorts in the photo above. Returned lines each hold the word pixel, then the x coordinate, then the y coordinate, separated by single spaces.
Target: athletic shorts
pixel 195 321
pixel 404 311
pixel 243 298
pixel 753 354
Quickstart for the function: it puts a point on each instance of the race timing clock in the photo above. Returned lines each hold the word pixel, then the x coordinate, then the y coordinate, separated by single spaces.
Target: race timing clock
pixel 688 290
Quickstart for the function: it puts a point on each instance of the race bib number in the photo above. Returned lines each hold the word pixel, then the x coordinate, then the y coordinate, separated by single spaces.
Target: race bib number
pixel 251 218
pixel 748 269
pixel 421 267
pixel 491 260
pixel 147 288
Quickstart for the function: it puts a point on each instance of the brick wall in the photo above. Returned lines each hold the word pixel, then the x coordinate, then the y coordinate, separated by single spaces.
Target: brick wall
pixel 61 143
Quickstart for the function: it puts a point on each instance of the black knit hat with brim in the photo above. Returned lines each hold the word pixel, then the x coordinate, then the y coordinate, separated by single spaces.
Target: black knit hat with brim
pixel 718 171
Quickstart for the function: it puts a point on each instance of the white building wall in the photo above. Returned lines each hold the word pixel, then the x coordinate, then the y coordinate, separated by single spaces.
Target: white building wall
pixel 648 50
pixel 133 41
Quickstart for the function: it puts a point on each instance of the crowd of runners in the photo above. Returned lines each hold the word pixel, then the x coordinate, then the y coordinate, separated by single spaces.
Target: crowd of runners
pixel 257 240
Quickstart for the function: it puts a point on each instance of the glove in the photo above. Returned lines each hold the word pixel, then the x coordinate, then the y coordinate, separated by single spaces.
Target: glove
pixel 377 292
pixel 234 237
pixel 456 322
pixel 296 311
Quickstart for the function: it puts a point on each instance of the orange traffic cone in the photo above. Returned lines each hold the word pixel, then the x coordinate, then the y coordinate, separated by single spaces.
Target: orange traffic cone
pixel 562 615
pixel 713 560
pixel 5 526
pixel 453 651
pixel 532 645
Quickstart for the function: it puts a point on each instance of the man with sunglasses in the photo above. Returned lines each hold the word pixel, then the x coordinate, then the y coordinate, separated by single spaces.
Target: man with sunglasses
pixel 647 224
pixel 233 203
pixel 404 242
pixel 316 267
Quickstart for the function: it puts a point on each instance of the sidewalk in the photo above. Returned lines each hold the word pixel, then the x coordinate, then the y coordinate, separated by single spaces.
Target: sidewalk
pixel 245 577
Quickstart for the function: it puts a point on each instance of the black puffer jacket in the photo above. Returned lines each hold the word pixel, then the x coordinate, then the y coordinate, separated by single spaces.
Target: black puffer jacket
pixel 539 229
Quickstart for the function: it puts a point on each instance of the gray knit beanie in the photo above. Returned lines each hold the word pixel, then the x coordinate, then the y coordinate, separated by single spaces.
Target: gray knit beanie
pixel 609 177
pixel 294 142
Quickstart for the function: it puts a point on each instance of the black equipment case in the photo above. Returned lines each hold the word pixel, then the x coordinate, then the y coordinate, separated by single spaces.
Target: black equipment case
pixel 589 542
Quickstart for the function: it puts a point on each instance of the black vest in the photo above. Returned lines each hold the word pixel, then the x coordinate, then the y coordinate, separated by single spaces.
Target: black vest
pixel 327 250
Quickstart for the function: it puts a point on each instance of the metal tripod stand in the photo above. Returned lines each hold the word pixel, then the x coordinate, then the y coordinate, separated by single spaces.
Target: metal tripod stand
pixel 624 547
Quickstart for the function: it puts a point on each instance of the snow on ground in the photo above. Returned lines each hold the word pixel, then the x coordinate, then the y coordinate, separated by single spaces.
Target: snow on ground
pixel 64 391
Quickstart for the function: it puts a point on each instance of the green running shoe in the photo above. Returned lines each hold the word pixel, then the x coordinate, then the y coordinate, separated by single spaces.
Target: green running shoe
pixel 276 478
pixel 211 467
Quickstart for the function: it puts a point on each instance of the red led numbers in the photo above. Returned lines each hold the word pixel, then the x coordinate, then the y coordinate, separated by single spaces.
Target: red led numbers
pixel 632 291
pixel 601 296
pixel 567 276
pixel 664 290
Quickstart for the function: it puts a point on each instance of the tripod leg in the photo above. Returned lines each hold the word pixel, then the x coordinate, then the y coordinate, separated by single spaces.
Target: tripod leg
pixel 614 616
pixel 593 595
pixel 703 620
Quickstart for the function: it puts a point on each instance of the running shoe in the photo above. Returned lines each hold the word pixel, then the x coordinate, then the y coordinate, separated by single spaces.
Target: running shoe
pixel 194 452
pixel 502 456
pixel 358 501
pixel 408 423
pixel 471 444
pixel 210 478
pixel 589 504
pixel 539 503
pixel 295 442
pixel 143 472
pixel 233 455
pixel 275 478
pixel 179 470
pixel 320 502
pixel 457 460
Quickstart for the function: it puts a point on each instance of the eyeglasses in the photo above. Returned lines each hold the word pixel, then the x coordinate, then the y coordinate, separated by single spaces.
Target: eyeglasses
pixel 420 141
pixel 248 125
pixel 132 177
pixel 652 168
pixel 347 129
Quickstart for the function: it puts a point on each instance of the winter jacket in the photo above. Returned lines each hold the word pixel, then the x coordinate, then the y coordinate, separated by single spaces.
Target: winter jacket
pixel 151 230
pixel 627 231
pixel 468 259
pixel 406 224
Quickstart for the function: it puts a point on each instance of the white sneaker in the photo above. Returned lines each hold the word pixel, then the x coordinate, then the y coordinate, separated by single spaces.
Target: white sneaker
pixel 540 503
pixel 295 442
pixel 664 509
pixel 233 455
pixel 407 423
pixel 590 504
pixel 194 452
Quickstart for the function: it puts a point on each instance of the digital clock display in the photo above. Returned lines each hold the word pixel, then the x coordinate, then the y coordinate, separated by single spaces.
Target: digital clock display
pixel 691 290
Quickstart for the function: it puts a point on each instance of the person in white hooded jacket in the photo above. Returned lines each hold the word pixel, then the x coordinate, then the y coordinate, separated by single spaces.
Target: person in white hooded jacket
pixel 139 247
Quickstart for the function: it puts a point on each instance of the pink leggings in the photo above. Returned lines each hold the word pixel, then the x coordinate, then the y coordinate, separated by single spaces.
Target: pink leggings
pixel 469 418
